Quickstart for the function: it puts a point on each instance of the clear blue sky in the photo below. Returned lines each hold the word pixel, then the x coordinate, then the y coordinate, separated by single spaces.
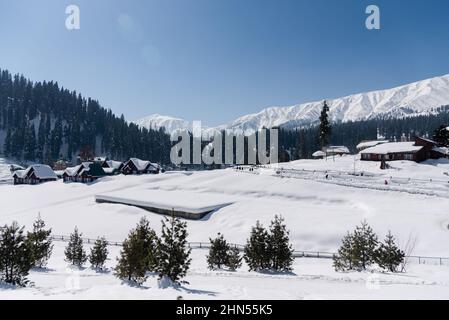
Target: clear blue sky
pixel 214 60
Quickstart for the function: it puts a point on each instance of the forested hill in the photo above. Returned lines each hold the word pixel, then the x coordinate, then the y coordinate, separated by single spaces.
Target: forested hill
pixel 41 121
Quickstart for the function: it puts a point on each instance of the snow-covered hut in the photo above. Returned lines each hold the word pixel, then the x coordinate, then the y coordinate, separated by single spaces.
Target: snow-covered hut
pixel 34 174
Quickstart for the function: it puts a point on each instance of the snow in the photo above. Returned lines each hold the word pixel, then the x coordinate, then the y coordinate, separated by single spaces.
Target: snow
pixel 393 147
pixel 442 150
pixel 318 213
pixel 369 144
pixel 169 200
pixel 337 149
pixel 418 98
pixel 318 154
pixel 157 121
pixel 311 279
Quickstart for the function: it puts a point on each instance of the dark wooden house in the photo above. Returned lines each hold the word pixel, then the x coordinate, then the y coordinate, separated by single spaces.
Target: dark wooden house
pixel 84 173
pixel 34 174
pixel 137 166
pixel 420 150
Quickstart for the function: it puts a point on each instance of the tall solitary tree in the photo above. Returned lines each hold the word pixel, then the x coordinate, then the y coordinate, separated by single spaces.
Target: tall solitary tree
pixel 325 126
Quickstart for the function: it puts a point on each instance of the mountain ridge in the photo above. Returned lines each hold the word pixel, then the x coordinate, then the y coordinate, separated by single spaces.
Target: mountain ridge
pixel 416 98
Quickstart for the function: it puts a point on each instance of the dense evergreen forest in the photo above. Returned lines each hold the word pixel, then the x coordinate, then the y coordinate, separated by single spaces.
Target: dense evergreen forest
pixel 41 121
pixel 301 143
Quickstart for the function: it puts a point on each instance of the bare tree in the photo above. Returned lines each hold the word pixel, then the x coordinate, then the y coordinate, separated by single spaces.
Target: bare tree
pixel 409 248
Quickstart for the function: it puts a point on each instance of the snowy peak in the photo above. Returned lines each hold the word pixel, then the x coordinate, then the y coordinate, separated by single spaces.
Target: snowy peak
pixel 421 97
pixel 157 121
pixel 418 98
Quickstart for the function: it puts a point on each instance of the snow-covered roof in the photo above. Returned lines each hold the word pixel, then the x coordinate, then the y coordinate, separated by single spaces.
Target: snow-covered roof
pixel 442 150
pixel 114 164
pixel 109 170
pixel 369 144
pixel 337 149
pixel 393 147
pixel 71 172
pixel 140 164
pixel 318 154
pixel 41 171
pixel 155 165
pixel 20 173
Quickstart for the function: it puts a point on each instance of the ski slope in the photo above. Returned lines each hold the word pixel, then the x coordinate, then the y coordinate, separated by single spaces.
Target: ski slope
pixel 317 213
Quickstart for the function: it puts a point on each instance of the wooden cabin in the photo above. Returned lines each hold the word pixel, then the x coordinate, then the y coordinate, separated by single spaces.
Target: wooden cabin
pixel 34 174
pixel 420 150
pixel 137 166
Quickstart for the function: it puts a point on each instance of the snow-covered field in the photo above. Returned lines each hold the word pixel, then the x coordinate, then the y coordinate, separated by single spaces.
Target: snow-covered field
pixel 318 214
pixel 312 279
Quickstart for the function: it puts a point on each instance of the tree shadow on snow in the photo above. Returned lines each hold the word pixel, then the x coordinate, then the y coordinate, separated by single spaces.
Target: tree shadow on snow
pixel 42 270
pixel 182 288
pixel 277 273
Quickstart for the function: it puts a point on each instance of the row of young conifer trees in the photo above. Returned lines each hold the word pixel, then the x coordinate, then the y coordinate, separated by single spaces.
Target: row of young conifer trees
pixel 168 256
pixel 265 250
pixel 142 252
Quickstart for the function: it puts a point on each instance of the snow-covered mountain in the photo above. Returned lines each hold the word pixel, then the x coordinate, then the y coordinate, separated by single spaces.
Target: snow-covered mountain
pixel 157 121
pixel 422 97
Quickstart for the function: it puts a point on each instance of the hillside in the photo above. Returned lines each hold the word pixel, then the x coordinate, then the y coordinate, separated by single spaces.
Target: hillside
pixel 41 121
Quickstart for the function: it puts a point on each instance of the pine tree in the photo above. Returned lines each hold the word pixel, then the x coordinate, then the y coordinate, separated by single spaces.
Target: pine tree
pixel 256 252
pixel 99 254
pixel 388 255
pixel 441 135
pixel 234 259
pixel 40 243
pixel 279 248
pixel 7 146
pixel 364 246
pixel 172 252
pixel 138 255
pixel 325 126
pixel 30 143
pixel 15 256
pixel 218 253
pixel 343 261
pixel 74 251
